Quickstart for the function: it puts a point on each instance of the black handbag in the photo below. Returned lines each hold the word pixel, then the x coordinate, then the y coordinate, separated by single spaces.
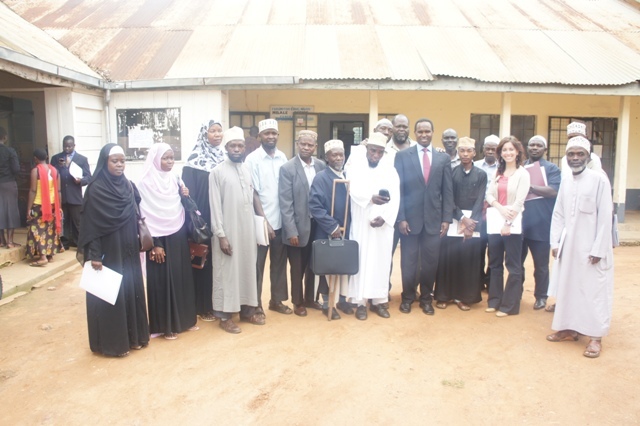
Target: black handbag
pixel 335 257
pixel 144 235
pixel 198 228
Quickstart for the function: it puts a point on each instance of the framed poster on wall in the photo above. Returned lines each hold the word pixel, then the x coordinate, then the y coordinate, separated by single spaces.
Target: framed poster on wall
pixel 138 129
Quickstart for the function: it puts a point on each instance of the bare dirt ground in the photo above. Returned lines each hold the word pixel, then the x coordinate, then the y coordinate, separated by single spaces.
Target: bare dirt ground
pixel 453 367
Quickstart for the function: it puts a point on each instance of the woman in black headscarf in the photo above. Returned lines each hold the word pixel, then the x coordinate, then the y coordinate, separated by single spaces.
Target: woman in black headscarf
pixel 206 155
pixel 109 237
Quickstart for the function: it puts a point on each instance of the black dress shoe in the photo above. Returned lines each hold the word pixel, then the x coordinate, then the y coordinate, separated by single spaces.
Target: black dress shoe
pixel 540 303
pixel 382 310
pixel 345 307
pixel 280 308
pixel 361 313
pixel 427 308
pixel 405 307
pixel 313 305
pixel 334 314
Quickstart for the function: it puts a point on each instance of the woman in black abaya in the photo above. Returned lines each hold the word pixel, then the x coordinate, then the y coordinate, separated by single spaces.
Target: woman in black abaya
pixel 170 288
pixel 206 155
pixel 109 237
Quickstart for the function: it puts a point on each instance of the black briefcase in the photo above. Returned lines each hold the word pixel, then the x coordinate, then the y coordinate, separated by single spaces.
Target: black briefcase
pixel 335 257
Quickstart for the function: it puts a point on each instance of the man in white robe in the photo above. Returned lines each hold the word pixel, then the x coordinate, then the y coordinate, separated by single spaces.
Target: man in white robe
pixel 373 215
pixel 581 243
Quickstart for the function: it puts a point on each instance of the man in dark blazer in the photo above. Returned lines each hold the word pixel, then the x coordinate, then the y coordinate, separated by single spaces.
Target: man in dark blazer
pixel 71 188
pixel 426 210
pixel 296 176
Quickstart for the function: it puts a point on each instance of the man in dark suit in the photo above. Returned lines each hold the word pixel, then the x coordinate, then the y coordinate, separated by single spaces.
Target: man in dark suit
pixel 296 176
pixel 71 188
pixel 426 209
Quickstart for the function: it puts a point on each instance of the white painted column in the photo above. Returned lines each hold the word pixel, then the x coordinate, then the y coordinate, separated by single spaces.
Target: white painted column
pixel 59 112
pixel 505 116
pixel 622 156
pixel 373 109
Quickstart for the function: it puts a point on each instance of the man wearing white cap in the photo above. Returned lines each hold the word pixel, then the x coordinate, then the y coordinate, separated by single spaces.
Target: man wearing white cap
pixel 329 225
pixel 265 163
pixel 536 218
pixel 233 204
pixel 581 243
pixel 577 128
pixel 298 227
pixel 359 152
pixel 375 198
pixel 490 166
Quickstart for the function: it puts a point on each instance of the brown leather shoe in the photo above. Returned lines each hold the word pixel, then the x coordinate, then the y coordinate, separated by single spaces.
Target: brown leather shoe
pixel 230 327
pixel 255 319
pixel 300 310
pixel 313 305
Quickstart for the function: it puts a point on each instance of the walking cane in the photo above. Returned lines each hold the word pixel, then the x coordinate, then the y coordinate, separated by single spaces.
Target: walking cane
pixel 333 280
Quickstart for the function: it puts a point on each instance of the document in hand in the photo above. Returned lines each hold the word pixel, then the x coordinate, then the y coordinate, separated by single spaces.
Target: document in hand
pixel 495 221
pixel 75 170
pixel 104 284
pixel 262 234
pixel 538 177
pixel 455 229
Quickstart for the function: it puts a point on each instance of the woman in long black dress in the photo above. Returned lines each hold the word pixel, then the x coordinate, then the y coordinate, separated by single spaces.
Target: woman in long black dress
pixel 170 288
pixel 109 237
pixel 206 155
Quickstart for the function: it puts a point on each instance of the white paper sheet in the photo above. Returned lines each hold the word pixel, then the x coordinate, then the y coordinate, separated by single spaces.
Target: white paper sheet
pixel 75 170
pixel 495 221
pixel 262 236
pixel 453 228
pixel 104 284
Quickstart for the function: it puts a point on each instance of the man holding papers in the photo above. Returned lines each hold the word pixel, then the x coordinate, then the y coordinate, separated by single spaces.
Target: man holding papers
pixel 74 172
pixel 459 278
pixel 536 218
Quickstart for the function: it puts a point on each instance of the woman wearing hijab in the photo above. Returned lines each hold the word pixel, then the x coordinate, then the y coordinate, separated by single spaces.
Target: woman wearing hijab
pixel 109 237
pixel 170 288
pixel 206 155
pixel 44 216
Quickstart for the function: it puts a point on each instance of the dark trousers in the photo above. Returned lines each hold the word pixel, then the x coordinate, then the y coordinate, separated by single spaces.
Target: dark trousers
pixel 245 312
pixel 71 224
pixel 300 269
pixel 505 298
pixel 540 253
pixel 484 242
pixel 278 270
pixel 419 263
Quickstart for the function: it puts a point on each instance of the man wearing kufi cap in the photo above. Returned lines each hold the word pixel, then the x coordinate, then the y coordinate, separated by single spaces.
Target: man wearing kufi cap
pixel 536 218
pixel 574 129
pixel 296 176
pixel 458 278
pixel 581 242
pixel 265 163
pixel 233 205
pixel 490 166
pixel 375 198
pixel 359 152
pixel 331 225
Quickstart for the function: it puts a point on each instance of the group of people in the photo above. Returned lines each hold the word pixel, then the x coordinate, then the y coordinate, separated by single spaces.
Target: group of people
pixel 443 208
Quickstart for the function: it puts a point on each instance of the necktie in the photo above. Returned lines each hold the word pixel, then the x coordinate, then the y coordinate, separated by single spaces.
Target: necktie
pixel 426 165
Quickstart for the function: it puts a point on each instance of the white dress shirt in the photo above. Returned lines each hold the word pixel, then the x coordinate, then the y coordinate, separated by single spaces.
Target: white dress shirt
pixel 265 175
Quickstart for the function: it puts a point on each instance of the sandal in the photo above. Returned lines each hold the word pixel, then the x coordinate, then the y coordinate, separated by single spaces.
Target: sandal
pixel 563 336
pixel 550 308
pixel 194 328
pixel 171 336
pixel 13 245
pixel 463 306
pixel 39 263
pixel 207 317
pixel 593 349
pixel 154 335
pixel 123 355
pixel 441 305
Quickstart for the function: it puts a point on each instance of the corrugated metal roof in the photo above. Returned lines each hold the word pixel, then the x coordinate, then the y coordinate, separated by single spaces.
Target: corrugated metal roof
pixel 22 37
pixel 570 42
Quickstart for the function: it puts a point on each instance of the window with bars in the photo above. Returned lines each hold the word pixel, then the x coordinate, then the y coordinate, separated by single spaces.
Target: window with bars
pixel 523 127
pixel 601 131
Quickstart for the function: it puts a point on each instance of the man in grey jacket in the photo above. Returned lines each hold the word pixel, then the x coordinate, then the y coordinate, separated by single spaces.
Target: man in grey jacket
pixel 296 176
